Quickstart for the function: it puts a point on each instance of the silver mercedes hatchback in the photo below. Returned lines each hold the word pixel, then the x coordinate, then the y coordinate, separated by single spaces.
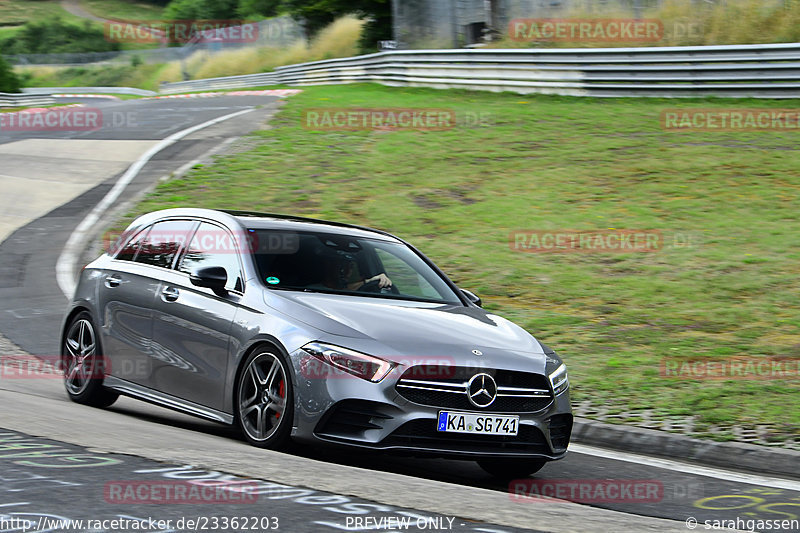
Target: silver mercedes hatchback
pixel 300 329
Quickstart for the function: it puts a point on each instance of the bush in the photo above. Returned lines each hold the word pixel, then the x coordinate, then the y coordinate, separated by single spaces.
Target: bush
pixel 9 82
pixel 201 9
pixel 377 28
pixel 258 9
pixel 339 39
pixel 116 75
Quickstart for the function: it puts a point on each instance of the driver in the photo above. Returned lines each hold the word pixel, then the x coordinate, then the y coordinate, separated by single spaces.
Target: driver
pixel 339 275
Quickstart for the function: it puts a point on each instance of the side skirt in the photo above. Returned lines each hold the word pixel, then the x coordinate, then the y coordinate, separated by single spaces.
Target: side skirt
pixel 165 400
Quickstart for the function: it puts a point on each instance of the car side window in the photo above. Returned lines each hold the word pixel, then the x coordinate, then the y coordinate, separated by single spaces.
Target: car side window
pixel 405 276
pixel 212 245
pixel 163 242
pixel 128 251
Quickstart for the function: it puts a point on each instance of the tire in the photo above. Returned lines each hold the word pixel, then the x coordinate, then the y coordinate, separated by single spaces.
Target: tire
pixel 83 363
pixel 507 469
pixel 264 399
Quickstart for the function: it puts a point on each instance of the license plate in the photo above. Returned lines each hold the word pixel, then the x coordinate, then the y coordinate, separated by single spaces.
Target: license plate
pixel 481 423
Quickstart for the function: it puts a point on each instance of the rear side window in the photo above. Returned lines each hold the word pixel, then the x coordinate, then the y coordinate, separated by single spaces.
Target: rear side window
pixel 163 242
pixel 129 249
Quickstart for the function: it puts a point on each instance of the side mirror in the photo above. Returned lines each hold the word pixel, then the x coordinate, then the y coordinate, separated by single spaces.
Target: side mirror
pixel 213 278
pixel 472 297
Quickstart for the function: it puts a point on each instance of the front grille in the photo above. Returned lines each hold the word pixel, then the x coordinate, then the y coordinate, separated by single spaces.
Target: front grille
pixel 422 434
pixel 446 387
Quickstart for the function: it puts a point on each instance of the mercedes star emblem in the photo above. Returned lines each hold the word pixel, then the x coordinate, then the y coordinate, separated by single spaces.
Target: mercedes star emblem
pixel 481 390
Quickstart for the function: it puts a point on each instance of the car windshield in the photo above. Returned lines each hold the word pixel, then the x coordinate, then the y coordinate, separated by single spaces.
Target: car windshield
pixel 344 264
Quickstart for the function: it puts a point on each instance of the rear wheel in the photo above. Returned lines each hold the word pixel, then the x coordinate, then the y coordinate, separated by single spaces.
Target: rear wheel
pixel 264 400
pixel 84 365
pixel 511 468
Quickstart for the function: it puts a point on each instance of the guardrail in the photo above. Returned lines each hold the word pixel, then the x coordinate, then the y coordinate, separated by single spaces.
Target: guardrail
pixel 87 90
pixel 759 71
pixel 24 100
pixel 213 84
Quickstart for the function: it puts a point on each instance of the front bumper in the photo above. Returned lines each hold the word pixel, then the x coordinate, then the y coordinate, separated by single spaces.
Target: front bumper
pixel 341 409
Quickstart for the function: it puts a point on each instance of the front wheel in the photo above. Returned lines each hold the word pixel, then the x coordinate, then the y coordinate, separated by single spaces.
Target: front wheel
pixel 511 468
pixel 264 400
pixel 84 365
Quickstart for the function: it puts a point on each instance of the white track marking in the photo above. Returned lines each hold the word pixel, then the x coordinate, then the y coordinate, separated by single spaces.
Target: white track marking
pixel 65 267
pixel 686 468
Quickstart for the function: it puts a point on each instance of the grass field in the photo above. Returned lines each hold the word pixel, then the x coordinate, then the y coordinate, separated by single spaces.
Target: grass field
pixel 15 13
pixel 18 12
pixel 8 31
pixel 123 9
pixel 553 163
pixel 145 76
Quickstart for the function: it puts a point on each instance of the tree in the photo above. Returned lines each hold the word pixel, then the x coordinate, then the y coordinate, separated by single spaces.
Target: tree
pixel 257 9
pixel 201 10
pixel 9 82
pixel 316 14
pixel 377 28
pixel 55 36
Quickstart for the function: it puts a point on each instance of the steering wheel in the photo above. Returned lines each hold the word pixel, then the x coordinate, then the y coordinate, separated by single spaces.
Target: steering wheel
pixel 374 286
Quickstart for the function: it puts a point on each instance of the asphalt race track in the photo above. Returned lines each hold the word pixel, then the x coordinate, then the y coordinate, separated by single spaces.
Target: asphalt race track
pixel 41 491
pixel 60 460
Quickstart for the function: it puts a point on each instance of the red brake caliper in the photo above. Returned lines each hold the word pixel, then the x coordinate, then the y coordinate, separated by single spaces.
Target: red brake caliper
pixel 282 394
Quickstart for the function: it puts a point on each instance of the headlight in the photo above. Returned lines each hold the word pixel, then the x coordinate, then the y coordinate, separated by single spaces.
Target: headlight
pixel 359 364
pixel 559 379
pixel 556 370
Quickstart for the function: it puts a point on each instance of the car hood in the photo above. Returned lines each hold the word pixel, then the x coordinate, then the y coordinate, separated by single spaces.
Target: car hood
pixel 400 329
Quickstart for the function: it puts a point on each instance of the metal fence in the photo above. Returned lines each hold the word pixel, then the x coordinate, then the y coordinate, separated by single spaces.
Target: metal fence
pixel 759 71
pixel 147 55
pixel 87 90
pixel 214 84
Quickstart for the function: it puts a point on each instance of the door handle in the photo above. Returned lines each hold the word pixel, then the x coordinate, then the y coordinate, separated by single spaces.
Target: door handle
pixel 113 281
pixel 170 294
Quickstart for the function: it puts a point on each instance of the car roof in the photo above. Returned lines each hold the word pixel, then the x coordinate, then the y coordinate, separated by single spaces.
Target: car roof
pixel 257 220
